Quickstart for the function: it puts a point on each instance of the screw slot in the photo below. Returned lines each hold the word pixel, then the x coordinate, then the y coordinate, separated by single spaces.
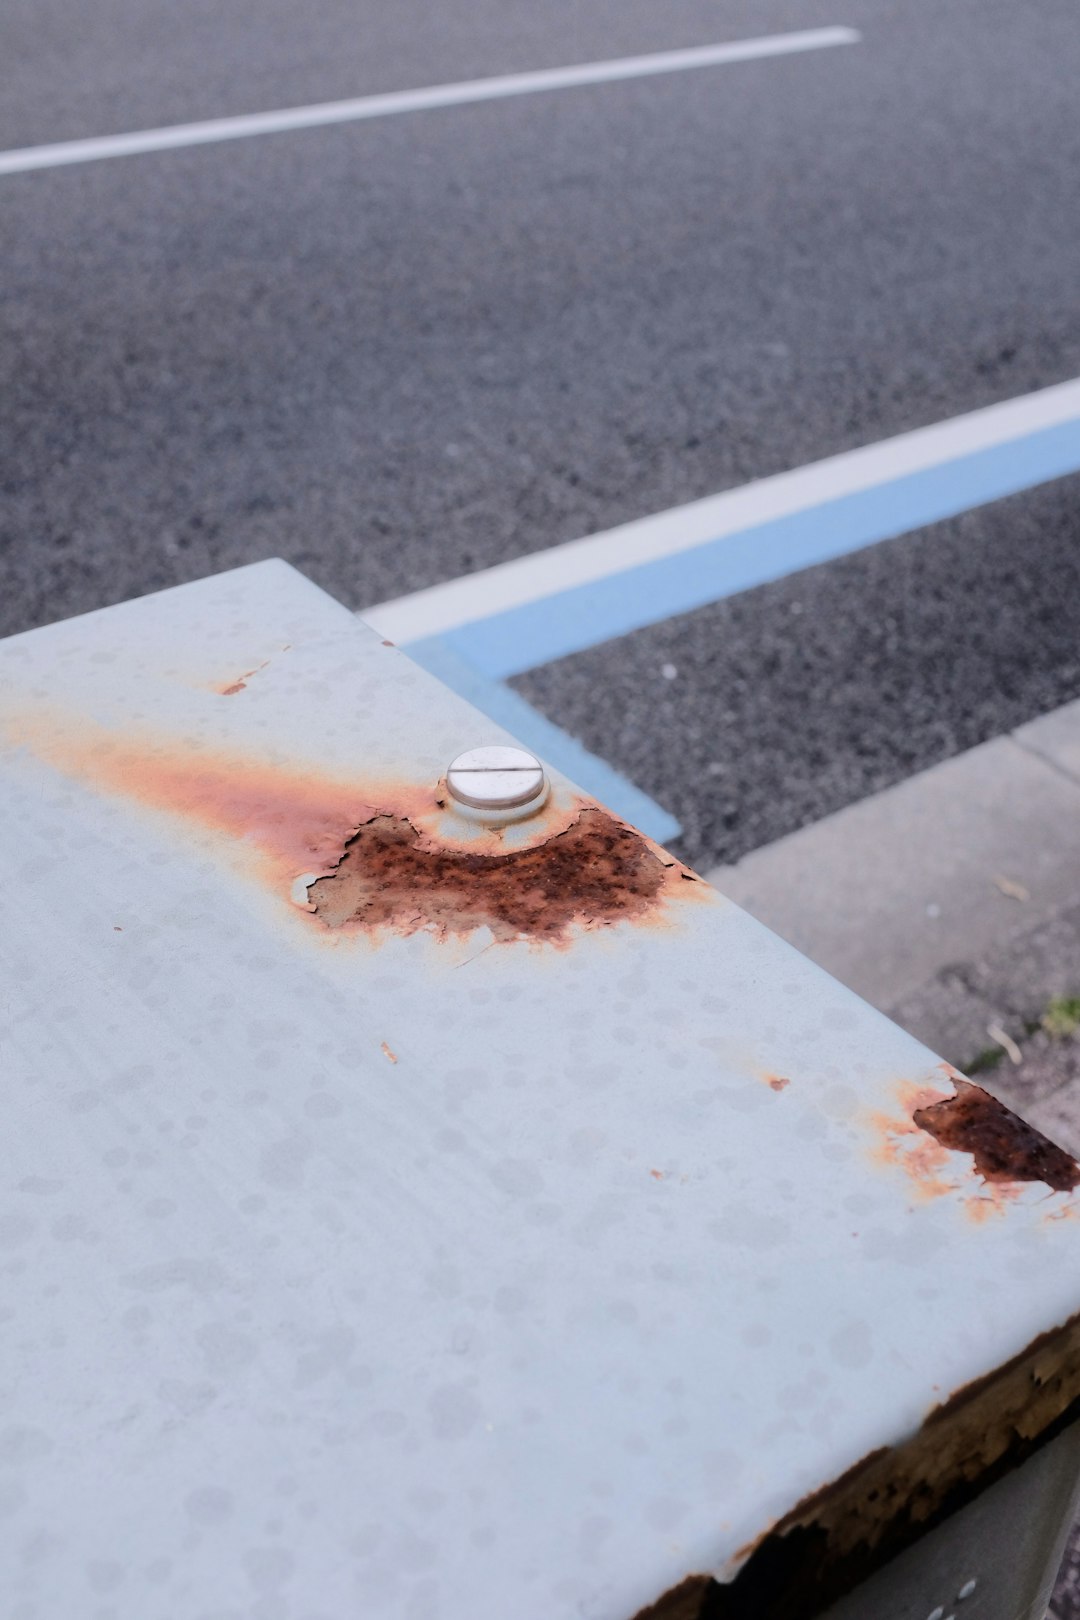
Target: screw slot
pixel 497 780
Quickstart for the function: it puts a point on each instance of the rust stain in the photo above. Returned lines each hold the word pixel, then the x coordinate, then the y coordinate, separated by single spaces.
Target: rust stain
pixel 933 1126
pixel 592 874
pixel 1003 1146
pixel 904 1146
pixel 387 1053
pixel 777 1082
pixel 657 1175
pixel 288 821
pixel 241 681
pixel 378 856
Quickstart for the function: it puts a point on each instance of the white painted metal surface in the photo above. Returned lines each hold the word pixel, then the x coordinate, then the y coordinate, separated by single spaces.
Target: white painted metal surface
pixel 412 1268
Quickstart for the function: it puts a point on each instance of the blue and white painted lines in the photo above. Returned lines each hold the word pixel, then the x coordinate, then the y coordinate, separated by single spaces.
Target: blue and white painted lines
pixel 475 631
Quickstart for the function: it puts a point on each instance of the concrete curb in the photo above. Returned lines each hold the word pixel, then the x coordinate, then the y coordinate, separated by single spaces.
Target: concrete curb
pixel 952 901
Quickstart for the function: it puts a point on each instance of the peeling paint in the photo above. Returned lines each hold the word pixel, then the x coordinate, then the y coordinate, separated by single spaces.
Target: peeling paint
pixel 966 1144
pixel 1003 1146
pixel 594 873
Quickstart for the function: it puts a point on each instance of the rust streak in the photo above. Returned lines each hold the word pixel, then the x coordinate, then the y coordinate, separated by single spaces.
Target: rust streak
pixel 594 873
pixel 287 819
pixel 1004 1147
pixel 240 683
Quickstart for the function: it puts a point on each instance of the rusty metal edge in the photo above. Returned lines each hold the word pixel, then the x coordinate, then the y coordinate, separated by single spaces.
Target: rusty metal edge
pixel 841 1534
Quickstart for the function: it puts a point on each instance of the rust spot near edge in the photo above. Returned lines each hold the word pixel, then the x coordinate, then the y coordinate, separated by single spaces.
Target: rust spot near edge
pixel 932 1127
pixel 1003 1146
pixel 594 873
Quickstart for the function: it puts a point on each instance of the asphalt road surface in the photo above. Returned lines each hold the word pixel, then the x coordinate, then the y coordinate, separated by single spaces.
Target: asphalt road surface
pixel 398 351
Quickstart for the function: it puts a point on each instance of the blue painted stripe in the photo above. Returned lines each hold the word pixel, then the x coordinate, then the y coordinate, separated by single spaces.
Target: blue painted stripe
pixel 569 621
pixel 564 752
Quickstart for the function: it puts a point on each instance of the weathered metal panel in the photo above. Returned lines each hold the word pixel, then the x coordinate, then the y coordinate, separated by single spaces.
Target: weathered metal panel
pixel 999 1556
pixel 404 1218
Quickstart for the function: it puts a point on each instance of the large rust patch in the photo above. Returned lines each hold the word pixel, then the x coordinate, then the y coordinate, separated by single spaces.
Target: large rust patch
pixel 593 874
pixel 376 855
pixel 1004 1147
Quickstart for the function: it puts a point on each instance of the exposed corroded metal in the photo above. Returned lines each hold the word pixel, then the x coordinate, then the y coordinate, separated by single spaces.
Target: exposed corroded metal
pixel 1004 1147
pixel 933 1131
pixel 683 1602
pixel 838 1536
pixel 595 873
pixel 382 856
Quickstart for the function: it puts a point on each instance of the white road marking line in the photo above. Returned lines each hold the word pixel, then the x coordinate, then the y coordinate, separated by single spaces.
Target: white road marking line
pixel 402 101
pixel 443 608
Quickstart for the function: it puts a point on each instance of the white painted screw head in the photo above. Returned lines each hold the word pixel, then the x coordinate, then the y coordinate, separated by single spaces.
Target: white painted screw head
pixel 497 779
